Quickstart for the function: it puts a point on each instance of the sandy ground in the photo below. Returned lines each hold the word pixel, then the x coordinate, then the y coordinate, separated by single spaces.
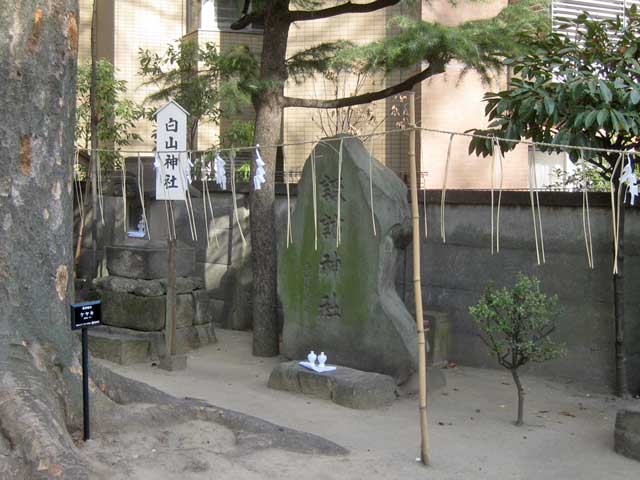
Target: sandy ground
pixel 568 435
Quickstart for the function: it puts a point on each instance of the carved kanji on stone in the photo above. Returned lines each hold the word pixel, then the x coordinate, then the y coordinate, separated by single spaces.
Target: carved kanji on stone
pixel 329 308
pixel 328 225
pixel 329 188
pixel 330 263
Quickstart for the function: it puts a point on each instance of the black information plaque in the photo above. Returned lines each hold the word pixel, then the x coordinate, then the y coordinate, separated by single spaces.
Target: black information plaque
pixel 85 314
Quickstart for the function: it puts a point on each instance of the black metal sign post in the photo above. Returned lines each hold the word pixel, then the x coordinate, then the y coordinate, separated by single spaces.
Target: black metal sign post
pixel 83 316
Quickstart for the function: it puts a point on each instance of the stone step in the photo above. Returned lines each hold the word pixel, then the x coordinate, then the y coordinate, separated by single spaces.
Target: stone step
pixel 627 433
pixel 126 346
pixel 119 348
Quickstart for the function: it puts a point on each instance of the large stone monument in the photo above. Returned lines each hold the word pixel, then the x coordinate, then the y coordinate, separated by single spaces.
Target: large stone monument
pixel 342 299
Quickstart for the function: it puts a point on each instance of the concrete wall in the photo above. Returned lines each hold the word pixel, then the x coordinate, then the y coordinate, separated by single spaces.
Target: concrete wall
pixel 454 275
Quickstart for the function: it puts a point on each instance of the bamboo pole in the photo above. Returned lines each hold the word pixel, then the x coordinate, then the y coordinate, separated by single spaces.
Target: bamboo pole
pixel 417 289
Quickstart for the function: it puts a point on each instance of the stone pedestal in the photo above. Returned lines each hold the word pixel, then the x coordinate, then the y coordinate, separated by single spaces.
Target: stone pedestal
pixel 145 259
pixel 627 433
pixel 133 304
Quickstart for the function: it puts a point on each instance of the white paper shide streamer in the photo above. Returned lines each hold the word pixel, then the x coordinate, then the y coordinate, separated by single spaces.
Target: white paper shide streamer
pixel 186 170
pixel 629 177
pixel 219 172
pixel 258 178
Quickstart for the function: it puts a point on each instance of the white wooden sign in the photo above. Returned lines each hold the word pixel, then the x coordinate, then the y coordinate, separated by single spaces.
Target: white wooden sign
pixel 172 163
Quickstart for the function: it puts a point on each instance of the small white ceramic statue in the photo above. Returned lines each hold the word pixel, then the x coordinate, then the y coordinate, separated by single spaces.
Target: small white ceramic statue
pixel 322 359
pixel 312 357
pixel 141 232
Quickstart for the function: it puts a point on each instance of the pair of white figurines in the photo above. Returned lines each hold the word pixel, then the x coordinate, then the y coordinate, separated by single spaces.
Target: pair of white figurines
pixel 312 357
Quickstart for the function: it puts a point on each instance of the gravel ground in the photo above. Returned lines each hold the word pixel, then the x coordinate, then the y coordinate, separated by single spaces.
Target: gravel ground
pixel 568 433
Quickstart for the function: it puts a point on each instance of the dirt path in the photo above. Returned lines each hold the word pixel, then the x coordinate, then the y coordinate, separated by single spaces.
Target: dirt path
pixel 569 434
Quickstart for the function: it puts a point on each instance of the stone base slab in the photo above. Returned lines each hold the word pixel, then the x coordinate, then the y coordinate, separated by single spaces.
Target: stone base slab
pixel 346 386
pixel 119 348
pixel 125 347
pixel 627 434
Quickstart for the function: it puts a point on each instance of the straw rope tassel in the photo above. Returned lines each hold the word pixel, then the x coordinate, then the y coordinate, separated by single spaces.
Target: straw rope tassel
pixel 589 230
pixel 373 217
pixel 614 214
pixel 338 239
pixel 493 162
pixel 213 218
pixel 444 191
pixel 233 195
pixel 188 204
pixel 585 216
pixel 315 197
pixel 535 185
pixel 621 197
pixel 204 209
pixel 289 233
pixel 78 188
pixel 424 208
pixel 190 199
pixel 286 180
pixel 141 194
pixel 533 208
pixel 501 159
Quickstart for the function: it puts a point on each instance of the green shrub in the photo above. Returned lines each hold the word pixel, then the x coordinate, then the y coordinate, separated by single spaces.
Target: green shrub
pixel 516 324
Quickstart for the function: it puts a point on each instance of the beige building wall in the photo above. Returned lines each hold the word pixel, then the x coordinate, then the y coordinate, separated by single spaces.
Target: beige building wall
pixel 104 30
pixel 446 101
pixel 146 24
pixel 124 27
pixel 306 125
pixel 453 102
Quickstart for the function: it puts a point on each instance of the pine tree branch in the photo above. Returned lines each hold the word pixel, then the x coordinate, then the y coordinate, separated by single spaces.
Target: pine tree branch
pixel 304 15
pixel 433 69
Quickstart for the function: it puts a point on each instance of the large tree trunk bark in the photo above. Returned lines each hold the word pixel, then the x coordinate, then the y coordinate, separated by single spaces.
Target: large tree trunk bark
pixel 269 110
pixel 37 351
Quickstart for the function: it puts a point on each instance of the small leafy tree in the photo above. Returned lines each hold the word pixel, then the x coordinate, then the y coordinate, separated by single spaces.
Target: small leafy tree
pixel 579 86
pixel 204 81
pixel 117 115
pixel 516 324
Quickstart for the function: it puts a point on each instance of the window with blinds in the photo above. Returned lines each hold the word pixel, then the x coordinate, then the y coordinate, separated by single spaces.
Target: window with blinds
pixel 563 10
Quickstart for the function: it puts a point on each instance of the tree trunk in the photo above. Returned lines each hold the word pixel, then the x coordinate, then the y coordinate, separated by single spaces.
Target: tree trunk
pixel 37 350
pixel 622 389
pixel 269 110
pixel 516 379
